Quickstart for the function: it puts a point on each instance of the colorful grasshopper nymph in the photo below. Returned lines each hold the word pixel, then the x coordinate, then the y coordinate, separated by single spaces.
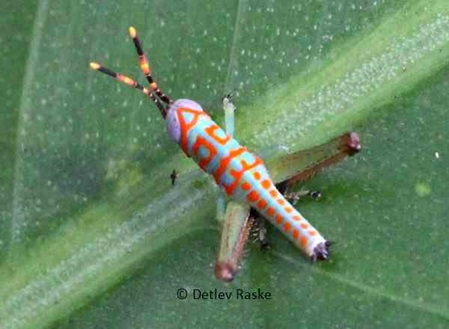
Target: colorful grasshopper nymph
pixel 240 174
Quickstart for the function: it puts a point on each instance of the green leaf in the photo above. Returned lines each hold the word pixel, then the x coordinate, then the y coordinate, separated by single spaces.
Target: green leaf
pixel 94 236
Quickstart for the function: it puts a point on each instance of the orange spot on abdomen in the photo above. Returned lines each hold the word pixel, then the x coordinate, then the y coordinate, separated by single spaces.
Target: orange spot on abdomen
pixel 246 186
pixel 312 233
pixel 266 184
pixel 303 241
pixel 262 204
pixel 279 219
pixel 253 196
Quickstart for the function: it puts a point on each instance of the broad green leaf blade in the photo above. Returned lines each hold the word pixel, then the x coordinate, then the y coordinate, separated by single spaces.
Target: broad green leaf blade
pixel 14 51
pixel 89 206
pixel 389 266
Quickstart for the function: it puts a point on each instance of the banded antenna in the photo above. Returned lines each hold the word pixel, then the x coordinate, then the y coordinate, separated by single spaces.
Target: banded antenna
pixel 153 92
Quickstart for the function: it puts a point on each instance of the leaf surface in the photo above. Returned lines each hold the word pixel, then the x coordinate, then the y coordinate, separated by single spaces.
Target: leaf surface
pixel 94 236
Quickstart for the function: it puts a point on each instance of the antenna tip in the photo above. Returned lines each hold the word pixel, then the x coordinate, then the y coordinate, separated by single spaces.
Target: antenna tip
pixel 132 32
pixel 94 66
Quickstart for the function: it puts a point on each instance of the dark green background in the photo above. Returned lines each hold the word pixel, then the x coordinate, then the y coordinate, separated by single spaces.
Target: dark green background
pixel 92 234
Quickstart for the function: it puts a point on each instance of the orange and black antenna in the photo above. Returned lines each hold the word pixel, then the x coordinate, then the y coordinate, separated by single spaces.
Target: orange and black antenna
pixel 155 94
pixel 145 67
pixel 132 83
